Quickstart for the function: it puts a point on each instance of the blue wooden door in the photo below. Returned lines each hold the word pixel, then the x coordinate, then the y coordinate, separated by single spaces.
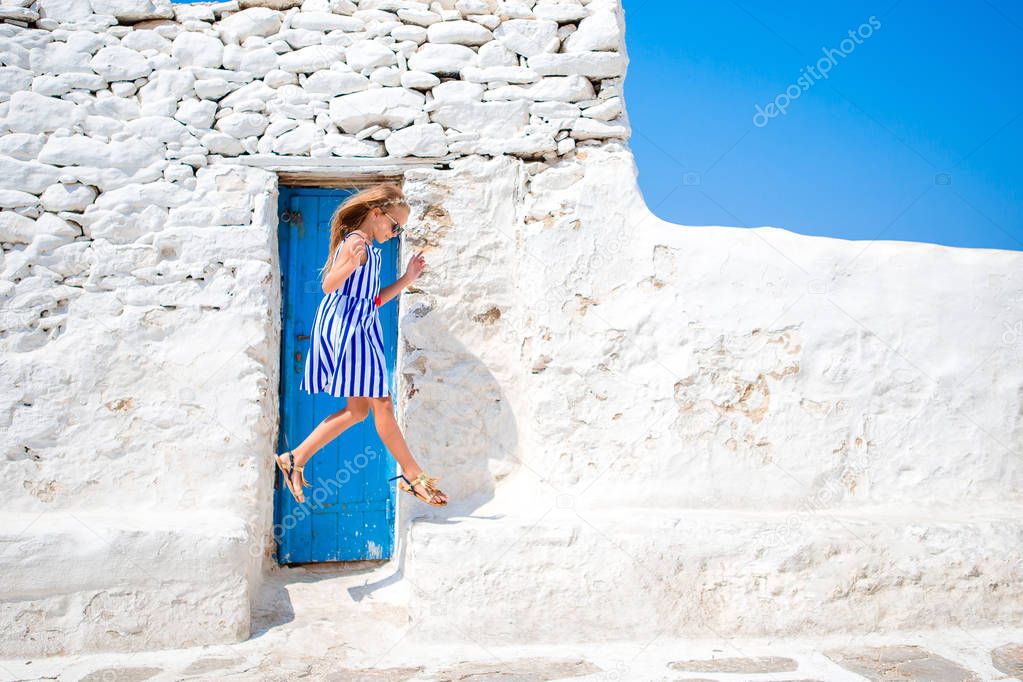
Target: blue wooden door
pixel 348 514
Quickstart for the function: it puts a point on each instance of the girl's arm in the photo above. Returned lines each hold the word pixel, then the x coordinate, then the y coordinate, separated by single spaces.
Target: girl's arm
pixel 414 269
pixel 353 254
pixel 394 288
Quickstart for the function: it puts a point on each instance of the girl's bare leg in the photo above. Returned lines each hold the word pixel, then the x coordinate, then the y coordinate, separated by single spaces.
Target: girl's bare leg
pixel 390 434
pixel 355 410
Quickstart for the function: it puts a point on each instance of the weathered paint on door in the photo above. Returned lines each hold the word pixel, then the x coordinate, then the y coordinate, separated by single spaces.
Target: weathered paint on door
pixel 348 514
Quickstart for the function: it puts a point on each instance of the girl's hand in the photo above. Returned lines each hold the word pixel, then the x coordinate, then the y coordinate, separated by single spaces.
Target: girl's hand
pixel 353 250
pixel 415 267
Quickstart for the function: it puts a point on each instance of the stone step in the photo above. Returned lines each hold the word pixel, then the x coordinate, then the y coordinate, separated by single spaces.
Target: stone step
pixel 571 575
pixel 120 580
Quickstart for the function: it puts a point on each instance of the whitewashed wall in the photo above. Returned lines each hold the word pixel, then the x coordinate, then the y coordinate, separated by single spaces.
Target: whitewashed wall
pixel 564 350
pixel 712 431
pixel 140 282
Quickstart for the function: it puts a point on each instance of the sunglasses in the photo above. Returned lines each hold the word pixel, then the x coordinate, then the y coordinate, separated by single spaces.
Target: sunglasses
pixel 396 227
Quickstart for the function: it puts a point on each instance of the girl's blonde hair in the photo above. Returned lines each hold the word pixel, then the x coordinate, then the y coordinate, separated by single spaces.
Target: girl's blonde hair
pixel 353 210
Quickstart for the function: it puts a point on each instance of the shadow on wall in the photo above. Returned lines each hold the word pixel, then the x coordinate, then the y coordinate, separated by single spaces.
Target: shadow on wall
pixel 458 421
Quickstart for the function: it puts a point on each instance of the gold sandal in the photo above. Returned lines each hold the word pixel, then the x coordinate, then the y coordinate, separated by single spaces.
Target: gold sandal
pixel 286 472
pixel 426 483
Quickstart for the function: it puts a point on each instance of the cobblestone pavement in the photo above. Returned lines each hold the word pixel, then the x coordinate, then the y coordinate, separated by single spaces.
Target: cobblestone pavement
pixel 341 623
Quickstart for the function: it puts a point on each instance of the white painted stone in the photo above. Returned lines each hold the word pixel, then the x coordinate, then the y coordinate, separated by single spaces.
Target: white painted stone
pixel 549 88
pixel 418 16
pixel 599 31
pixel 256 90
pixel 528 37
pixel 297 38
pixel 456 91
pixel 101 128
pixel 16 229
pixel 242 124
pixel 418 80
pixel 124 108
pixel 212 88
pixel 32 113
pixel 255 21
pixel 310 59
pixel 591 129
pixel 12 198
pixel 12 54
pixel 495 53
pixel 126 156
pixel 505 74
pixel 133 10
pixel 279 127
pixel 120 64
pixel 335 82
pixel 59 231
pixel 474 6
pixel 607 110
pixel 561 12
pixel 64 10
pixel 56 58
pixel 143 39
pixel 163 129
pixel 64 83
pixel 18 13
pixel 588 64
pixel 87 41
pixel 137 196
pixel 257 61
pixel 198 49
pixel 489 119
pixel 417 140
pixel 167 85
pixel 350 146
pixel 222 143
pixel 459 33
pixel 406 33
pixel 368 54
pixel 388 76
pixel 191 16
pixel 277 78
pixel 442 59
pixel 123 88
pixel 298 141
pixel 196 113
pixel 70 197
pixel 21 146
pixel 323 21
pixel 12 79
pixel 351 113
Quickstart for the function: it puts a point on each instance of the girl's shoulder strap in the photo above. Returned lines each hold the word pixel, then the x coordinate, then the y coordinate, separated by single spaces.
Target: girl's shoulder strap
pixel 360 237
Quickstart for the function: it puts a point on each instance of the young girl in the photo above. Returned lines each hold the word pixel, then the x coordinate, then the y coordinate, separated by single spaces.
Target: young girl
pixel 346 354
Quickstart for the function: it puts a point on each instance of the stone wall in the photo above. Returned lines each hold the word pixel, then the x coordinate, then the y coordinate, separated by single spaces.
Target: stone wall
pixel 564 348
pixel 140 288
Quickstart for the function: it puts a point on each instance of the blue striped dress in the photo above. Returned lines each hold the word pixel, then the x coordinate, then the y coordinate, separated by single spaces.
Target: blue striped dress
pixel 346 347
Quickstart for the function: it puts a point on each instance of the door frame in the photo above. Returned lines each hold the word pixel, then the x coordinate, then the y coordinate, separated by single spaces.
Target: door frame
pixel 311 184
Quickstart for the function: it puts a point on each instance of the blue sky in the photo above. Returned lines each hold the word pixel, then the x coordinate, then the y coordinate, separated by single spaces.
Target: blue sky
pixel 916 133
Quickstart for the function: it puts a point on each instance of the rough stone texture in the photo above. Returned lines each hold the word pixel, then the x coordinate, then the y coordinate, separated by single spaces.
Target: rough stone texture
pixel 350 622
pixel 774 664
pixel 815 415
pixel 1008 659
pixel 898 663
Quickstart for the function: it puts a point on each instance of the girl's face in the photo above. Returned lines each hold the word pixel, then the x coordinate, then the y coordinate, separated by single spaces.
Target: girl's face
pixel 391 221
